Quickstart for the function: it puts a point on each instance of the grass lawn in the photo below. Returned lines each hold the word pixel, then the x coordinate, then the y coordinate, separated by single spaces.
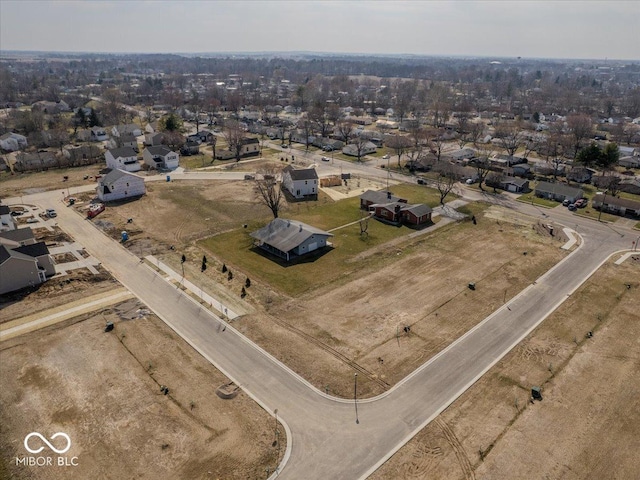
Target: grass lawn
pixel 593 213
pixel 195 161
pixel 235 247
pixel 629 196
pixel 420 194
pixel 542 202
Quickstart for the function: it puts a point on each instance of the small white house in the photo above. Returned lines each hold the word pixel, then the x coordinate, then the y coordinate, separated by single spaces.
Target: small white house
pixel 129 128
pixel 300 183
pixel 119 184
pixel 6 220
pixel 366 149
pixel 13 141
pixel 99 134
pixel 124 158
pixel 160 157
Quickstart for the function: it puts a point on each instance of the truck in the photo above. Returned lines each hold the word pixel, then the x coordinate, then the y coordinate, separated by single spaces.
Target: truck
pixel 95 209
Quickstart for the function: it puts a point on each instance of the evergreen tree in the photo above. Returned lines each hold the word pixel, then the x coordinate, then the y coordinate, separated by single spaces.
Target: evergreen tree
pixel 94 121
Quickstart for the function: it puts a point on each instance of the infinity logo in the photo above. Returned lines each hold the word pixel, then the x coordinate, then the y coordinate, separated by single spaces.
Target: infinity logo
pixel 55 435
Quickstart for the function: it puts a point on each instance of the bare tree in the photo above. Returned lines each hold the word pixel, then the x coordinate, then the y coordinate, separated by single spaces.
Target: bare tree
pixel 399 144
pixel 482 165
pixel 234 135
pixel 580 128
pixel 359 144
pixel 436 144
pixel 345 130
pixel 447 178
pixel 510 137
pixel 269 191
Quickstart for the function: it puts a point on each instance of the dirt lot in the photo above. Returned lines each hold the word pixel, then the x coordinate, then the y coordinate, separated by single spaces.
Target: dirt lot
pixel 103 390
pixel 355 321
pixel 586 427
pixel 358 321
pixel 34 182
pixel 56 291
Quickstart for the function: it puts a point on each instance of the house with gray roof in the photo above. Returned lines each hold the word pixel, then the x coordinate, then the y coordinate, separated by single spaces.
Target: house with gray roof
pixel 118 185
pixel 615 205
pixel 24 264
pixel 160 157
pixel 17 237
pixel 300 183
pixel 370 197
pixel 7 222
pixel 558 192
pixel 124 158
pixel 289 239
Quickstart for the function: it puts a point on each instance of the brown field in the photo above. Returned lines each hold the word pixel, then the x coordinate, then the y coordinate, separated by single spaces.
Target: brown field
pixel 57 291
pixel 588 423
pixel 356 319
pixel 103 390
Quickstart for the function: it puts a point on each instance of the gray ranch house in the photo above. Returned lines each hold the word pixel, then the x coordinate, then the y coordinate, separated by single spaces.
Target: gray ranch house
pixel 558 192
pixel 289 239
pixel 615 205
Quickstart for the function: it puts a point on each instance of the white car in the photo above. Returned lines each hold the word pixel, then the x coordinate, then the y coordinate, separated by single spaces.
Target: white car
pixel 324 159
pixel 386 157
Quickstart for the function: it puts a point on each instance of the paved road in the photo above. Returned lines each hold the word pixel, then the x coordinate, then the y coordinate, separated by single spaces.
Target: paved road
pixel 324 439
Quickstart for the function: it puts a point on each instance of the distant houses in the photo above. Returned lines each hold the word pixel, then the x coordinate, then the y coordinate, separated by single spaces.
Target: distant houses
pixel 118 185
pixel 13 142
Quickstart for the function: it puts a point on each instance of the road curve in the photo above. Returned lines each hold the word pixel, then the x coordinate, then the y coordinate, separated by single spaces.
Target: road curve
pixel 324 440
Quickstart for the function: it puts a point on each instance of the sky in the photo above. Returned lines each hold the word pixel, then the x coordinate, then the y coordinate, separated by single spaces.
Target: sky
pixel 499 28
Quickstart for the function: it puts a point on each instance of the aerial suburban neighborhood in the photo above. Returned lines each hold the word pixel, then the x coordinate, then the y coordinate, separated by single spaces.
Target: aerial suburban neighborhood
pixel 267 262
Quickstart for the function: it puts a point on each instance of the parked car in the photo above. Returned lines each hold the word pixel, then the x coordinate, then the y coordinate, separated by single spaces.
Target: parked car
pixel 470 181
pixel 581 203
pixel 51 213
pixel 566 202
pixel 386 157
pixel 32 220
pixel 325 159
pixel 421 181
pixel 327 148
pixel 572 207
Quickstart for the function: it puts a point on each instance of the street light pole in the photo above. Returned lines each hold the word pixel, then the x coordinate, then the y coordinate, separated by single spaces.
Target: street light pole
pixel 355 395
pixel 602 206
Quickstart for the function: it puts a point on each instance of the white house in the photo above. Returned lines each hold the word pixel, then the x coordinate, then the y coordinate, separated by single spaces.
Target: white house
pixel 124 158
pixel 160 157
pixel 300 183
pixel 98 134
pixel 352 149
pixel 13 141
pixel 130 128
pixel 6 220
pixel 119 184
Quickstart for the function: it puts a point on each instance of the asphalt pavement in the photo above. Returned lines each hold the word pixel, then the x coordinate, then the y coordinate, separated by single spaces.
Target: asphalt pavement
pixel 349 439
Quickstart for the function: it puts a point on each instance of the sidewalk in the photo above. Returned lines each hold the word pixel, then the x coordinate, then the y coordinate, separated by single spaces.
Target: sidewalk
pixel 216 304
pixel 49 317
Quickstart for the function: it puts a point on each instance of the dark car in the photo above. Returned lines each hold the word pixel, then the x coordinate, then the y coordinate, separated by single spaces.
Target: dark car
pixel 572 207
